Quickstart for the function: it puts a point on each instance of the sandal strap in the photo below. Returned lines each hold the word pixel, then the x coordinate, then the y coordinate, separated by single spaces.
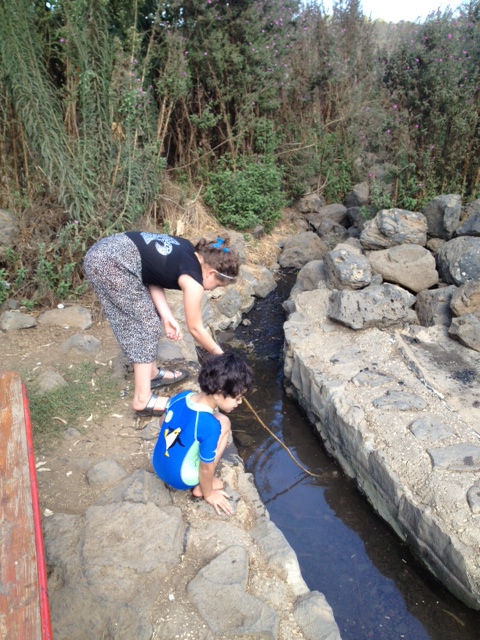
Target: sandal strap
pixel 160 376
pixel 151 403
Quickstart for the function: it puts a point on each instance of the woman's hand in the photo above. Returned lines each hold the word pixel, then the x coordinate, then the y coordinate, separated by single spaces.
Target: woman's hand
pixel 219 500
pixel 170 325
pixel 172 328
pixel 192 300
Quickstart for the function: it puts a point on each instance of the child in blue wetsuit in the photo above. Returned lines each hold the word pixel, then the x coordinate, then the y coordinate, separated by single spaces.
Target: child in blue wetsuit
pixel 194 433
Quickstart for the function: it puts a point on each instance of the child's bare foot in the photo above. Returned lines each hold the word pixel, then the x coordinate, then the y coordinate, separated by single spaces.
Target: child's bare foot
pixel 197 491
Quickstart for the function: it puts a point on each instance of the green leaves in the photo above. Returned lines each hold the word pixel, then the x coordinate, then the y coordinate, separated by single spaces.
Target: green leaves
pixel 249 196
pixel 434 73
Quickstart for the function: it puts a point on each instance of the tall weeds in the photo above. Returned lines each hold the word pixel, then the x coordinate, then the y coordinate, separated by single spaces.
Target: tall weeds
pixel 98 100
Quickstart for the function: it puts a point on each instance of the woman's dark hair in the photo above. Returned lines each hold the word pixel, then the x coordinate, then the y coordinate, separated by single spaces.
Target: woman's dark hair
pixel 227 374
pixel 219 256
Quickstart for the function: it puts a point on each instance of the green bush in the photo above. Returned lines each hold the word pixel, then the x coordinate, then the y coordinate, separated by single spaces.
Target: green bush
pixel 247 196
pixel 432 77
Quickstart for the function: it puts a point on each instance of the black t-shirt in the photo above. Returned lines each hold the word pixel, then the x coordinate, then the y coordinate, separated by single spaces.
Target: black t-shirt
pixel 165 259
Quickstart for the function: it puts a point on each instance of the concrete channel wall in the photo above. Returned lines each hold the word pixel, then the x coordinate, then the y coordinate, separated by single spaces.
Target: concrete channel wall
pixel 392 408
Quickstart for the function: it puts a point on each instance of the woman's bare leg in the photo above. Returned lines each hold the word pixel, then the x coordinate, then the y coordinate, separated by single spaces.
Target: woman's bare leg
pixel 143 372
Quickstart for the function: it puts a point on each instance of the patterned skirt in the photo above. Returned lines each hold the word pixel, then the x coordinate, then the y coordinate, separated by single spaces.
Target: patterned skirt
pixel 114 269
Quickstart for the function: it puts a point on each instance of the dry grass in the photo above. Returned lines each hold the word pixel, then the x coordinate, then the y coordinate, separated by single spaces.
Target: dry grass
pixel 190 218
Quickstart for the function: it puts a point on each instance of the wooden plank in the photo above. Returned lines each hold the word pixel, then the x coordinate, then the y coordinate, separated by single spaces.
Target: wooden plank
pixel 24 612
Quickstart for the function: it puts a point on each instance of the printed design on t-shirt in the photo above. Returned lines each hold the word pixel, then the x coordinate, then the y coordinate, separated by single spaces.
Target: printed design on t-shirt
pixel 171 438
pixel 163 243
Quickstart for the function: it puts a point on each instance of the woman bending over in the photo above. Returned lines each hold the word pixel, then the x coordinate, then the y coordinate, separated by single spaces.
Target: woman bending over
pixel 129 273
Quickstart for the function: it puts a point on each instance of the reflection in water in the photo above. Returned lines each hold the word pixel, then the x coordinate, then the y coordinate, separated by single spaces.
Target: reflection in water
pixel 375 587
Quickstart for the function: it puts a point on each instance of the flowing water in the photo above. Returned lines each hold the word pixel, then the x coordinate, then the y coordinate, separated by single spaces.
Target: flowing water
pixel 376 588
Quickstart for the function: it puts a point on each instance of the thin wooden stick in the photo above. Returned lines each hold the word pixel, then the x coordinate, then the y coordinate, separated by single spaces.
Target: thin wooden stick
pixel 269 431
pixel 314 475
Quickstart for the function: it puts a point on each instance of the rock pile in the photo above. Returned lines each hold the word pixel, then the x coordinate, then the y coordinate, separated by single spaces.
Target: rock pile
pixel 147 562
pixel 398 267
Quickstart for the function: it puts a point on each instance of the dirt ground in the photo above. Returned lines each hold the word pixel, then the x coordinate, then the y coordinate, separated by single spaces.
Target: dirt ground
pixel 112 432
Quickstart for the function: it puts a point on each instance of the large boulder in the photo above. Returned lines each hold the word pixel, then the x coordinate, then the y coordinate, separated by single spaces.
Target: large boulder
pixel 466 330
pixel 229 304
pixel 302 248
pixel 74 316
pixel 262 279
pixel 347 268
pixel 375 306
pixel 408 265
pixel 459 260
pixel 96 567
pixel 443 215
pixel 394 226
pixel 466 299
pixel 433 306
pixel 335 213
pixel 220 588
pixel 469 210
pixel 311 203
pixel 311 276
pixel 13 320
pixel 471 226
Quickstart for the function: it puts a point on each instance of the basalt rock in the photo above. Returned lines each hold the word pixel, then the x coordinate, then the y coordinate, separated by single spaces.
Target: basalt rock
pixel 433 306
pixel 347 268
pixel 466 299
pixel 466 329
pixel 411 266
pixel 443 215
pixel 375 306
pixel 459 260
pixel 394 226
pixel 302 248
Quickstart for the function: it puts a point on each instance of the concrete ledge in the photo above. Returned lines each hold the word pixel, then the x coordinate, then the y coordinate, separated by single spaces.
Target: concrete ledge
pixel 385 403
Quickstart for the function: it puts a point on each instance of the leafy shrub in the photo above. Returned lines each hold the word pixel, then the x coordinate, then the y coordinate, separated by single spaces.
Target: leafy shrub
pixel 4 285
pixel 434 75
pixel 247 196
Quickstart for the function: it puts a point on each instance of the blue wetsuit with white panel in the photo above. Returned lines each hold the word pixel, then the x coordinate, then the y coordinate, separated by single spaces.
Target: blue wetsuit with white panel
pixel 189 435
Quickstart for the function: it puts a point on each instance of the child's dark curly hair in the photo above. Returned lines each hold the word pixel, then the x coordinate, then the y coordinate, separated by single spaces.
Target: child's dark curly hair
pixel 227 374
pixel 219 256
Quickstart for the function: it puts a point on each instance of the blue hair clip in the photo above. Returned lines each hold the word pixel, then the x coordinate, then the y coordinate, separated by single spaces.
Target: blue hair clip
pixel 218 245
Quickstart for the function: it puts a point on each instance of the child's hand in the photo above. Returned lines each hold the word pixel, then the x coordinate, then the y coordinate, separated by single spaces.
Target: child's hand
pixel 220 501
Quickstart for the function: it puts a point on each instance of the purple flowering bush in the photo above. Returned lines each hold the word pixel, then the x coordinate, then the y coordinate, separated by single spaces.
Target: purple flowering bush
pixel 434 76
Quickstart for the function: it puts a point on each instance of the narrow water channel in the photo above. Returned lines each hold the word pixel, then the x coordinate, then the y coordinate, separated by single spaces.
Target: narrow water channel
pixel 376 588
